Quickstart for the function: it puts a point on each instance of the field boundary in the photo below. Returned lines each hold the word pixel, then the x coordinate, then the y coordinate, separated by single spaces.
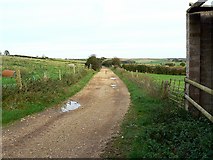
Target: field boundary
pixel 189 99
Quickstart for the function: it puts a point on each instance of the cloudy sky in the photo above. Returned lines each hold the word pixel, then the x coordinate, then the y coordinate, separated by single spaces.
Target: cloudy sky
pixel 79 28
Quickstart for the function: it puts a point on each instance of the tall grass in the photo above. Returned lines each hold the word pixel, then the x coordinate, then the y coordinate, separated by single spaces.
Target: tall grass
pixel 155 128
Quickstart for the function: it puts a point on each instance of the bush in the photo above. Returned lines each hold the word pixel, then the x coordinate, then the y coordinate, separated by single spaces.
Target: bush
pixel 170 64
pixel 94 63
pixel 182 64
pixel 156 69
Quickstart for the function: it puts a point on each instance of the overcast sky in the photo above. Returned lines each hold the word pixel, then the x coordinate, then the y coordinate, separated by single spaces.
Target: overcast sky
pixel 79 28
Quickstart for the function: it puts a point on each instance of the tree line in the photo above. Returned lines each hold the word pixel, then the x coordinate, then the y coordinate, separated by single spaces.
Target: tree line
pixel 96 63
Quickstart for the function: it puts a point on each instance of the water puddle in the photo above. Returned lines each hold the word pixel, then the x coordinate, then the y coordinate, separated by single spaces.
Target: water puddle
pixel 69 106
pixel 113 78
pixel 113 85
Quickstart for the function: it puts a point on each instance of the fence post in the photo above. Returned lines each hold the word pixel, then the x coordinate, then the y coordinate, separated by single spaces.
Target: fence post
pixel 178 85
pixel 162 84
pixel 74 69
pixel 136 73
pixel 174 85
pixel 170 82
pixel 165 89
pixel 186 90
pixel 18 79
pixel 45 76
pixel 59 74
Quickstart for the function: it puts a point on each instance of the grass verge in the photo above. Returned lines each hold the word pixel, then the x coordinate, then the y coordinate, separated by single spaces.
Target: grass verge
pixel 154 128
pixel 36 101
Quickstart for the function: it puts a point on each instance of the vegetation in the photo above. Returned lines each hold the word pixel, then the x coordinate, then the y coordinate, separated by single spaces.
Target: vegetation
pixel 107 63
pixel 155 69
pixel 94 63
pixel 43 86
pixel 116 62
pixel 182 64
pixel 149 61
pixel 6 53
pixel 155 128
pixel 162 77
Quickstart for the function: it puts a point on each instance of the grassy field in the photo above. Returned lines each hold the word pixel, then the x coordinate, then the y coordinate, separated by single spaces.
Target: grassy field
pixel 158 78
pixel 155 128
pixel 36 68
pixel 39 92
pixel 150 61
pixel 161 77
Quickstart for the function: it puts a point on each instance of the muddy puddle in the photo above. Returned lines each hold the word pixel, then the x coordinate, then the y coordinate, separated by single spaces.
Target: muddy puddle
pixel 69 106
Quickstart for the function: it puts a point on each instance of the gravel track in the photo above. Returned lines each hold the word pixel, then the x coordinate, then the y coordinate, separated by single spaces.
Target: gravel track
pixel 81 133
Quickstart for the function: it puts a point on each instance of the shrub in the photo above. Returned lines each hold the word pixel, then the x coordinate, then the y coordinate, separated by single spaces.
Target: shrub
pixel 182 64
pixel 156 69
pixel 94 63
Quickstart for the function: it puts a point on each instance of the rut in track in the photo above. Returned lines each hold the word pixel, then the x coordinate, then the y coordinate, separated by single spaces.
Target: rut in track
pixel 80 133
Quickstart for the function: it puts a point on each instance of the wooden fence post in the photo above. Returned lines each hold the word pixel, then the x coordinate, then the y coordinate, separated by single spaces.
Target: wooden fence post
pixel 74 69
pixel 174 85
pixel 162 84
pixel 18 79
pixel 165 89
pixel 45 76
pixel 59 74
pixel 178 86
pixel 170 82
pixel 136 73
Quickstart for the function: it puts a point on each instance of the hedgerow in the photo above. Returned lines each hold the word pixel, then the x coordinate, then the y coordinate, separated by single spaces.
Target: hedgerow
pixel 157 69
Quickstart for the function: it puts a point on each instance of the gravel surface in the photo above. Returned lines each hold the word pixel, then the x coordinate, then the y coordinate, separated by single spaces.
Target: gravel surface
pixel 81 133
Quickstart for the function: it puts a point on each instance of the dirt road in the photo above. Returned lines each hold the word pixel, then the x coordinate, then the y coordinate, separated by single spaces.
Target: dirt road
pixel 79 133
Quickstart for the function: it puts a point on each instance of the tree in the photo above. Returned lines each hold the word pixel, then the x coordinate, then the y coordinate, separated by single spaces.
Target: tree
pixel 107 63
pixel 116 62
pixel 93 62
pixel 6 53
pixel 182 64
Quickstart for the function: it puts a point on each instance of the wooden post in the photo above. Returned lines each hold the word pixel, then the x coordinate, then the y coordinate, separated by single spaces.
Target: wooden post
pixel 136 73
pixel 165 90
pixel 18 79
pixel 74 69
pixel 170 82
pixel 178 86
pixel 59 74
pixel 203 111
pixel 174 85
pixel 162 84
pixel 45 76
pixel 186 90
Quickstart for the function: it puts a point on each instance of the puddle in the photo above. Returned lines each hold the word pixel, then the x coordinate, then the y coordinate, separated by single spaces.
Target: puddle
pixel 113 85
pixel 113 78
pixel 69 106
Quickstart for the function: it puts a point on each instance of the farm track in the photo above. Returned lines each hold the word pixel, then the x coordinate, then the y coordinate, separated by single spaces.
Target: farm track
pixel 81 133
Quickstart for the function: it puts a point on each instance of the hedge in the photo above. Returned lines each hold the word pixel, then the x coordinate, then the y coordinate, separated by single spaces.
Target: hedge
pixel 156 69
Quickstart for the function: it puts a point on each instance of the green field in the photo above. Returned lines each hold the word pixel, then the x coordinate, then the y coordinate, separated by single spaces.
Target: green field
pixel 36 68
pixel 41 85
pixel 150 61
pixel 161 77
pixel 158 78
